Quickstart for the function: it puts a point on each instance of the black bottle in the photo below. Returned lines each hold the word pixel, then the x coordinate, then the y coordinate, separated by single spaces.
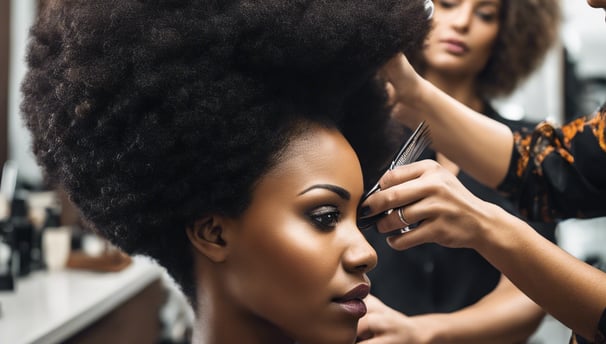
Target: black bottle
pixel 24 235
pixel 7 279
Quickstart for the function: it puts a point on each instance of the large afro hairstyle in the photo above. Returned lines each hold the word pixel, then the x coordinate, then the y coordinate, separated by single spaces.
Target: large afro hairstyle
pixel 151 113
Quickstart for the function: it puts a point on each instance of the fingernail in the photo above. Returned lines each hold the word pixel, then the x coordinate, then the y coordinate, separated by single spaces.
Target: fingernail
pixel 364 211
pixel 365 223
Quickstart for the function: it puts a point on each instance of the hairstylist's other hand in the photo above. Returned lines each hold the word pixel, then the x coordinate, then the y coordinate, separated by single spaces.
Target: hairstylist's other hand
pixel 403 88
pixel 383 325
pixel 432 197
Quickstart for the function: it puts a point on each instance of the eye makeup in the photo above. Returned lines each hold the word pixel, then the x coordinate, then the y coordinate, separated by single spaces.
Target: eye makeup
pixel 324 217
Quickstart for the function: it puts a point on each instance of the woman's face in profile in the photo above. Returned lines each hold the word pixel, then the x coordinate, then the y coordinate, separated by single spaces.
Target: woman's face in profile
pixel 299 261
pixel 463 35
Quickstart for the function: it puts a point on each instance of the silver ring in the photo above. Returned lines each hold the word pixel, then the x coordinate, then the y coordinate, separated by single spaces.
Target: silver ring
pixel 405 230
pixel 401 216
pixel 429 8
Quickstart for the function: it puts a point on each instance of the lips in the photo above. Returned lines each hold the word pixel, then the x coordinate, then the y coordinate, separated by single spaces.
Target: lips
pixel 352 301
pixel 455 46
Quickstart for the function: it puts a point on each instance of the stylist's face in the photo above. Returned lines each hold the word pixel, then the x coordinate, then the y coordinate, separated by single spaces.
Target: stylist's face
pixel 463 35
pixel 299 262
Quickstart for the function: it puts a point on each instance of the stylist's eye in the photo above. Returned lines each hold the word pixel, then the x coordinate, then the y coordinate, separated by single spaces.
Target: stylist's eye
pixel 325 217
pixel 487 16
pixel 446 3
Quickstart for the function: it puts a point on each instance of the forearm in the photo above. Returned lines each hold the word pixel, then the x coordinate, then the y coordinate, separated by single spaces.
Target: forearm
pixel 567 288
pixel 479 145
pixel 505 315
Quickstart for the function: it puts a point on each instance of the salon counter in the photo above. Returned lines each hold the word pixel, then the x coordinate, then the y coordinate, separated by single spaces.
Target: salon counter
pixel 50 307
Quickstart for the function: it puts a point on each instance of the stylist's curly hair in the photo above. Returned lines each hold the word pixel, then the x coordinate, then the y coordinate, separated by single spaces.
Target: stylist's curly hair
pixel 151 113
pixel 528 29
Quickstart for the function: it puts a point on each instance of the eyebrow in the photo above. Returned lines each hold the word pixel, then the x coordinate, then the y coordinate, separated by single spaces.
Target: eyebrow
pixel 336 189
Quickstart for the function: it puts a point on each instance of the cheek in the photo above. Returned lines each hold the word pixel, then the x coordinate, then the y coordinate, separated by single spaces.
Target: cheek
pixel 482 50
pixel 430 49
pixel 432 46
pixel 294 251
pixel 486 41
pixel 432 36
pixel 283 265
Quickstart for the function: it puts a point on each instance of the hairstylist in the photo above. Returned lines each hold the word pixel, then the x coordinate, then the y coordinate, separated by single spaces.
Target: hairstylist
pixel 475 52
pixel 554 172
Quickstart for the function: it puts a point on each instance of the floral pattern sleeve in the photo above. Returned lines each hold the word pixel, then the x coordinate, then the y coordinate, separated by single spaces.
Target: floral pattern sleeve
pixel 560 172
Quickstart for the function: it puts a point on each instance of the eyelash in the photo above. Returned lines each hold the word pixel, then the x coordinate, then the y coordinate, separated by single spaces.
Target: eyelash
pixel 487 17
pixel 446 4
pixel 324 217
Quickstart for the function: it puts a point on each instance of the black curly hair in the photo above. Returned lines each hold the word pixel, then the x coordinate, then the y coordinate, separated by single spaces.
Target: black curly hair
pixel 151 113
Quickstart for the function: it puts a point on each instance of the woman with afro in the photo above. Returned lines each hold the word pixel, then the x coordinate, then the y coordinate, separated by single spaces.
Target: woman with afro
pixel 226 140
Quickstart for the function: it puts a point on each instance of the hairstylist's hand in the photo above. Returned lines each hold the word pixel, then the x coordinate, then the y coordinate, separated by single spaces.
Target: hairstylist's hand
pixel 428 194
pixel 383 325
pixel 403 88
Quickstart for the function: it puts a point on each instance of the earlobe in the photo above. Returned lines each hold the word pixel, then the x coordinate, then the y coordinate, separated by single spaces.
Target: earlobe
pixel 206 236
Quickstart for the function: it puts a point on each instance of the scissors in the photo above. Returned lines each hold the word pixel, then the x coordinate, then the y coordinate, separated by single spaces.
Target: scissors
pixel 408 152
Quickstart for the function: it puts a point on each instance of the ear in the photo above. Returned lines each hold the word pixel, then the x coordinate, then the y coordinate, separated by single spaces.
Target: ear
pixel 207 237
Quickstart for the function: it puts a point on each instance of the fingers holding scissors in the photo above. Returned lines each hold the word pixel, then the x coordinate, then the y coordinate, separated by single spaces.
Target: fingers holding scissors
pixel 434 201
pixel 399 188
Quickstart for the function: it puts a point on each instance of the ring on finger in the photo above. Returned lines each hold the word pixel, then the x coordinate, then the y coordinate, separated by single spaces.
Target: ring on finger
pixel 402 219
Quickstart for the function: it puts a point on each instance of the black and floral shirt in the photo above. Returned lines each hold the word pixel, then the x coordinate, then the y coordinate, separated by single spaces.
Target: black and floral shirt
pixel 560 172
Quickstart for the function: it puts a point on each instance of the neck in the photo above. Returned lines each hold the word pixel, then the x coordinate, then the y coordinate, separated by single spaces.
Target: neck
pixel 460 87
pixel 219 320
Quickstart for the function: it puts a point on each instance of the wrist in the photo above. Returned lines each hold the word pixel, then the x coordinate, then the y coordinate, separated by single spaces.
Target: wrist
pixel 413 103
pixel 433 328
pixel 425 101
pixel 497 232
pixel 419 98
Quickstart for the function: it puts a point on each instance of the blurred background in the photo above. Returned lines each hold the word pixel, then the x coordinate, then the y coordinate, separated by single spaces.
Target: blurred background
pixel 571 83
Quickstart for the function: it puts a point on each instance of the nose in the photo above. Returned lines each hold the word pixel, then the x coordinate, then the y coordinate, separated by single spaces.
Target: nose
pixel 461 18
pixel 359 256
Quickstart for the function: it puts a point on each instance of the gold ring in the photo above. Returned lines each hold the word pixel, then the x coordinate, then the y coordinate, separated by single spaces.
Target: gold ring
pixel 401 216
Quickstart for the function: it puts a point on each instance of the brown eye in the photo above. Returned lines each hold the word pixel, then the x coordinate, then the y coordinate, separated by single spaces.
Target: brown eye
pixel 487 16
pixel 446 4
pixel 325 217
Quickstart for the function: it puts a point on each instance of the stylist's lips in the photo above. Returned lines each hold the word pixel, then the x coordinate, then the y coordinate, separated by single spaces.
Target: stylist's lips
pixel 455 46
pixel 352 301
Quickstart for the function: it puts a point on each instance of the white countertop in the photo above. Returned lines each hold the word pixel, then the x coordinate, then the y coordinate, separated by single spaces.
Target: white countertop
pixel 47 307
